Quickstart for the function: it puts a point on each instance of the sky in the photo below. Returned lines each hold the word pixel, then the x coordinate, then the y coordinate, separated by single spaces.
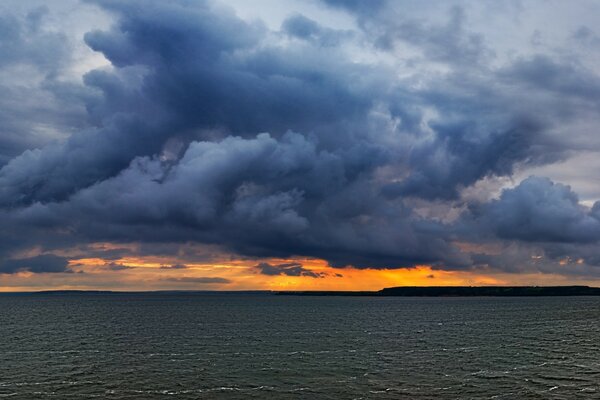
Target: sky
pixel 298 144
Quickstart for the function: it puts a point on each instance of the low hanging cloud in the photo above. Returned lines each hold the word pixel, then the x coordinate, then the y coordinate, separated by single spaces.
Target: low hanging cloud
pixel 198 279
pixel 174 266
pixel 46 263
pixel 361 144
pixel 539 210
pixel 114 266
pixel 287 269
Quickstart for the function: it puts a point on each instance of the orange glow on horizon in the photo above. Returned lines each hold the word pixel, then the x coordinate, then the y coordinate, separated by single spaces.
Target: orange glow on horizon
pixel 157 273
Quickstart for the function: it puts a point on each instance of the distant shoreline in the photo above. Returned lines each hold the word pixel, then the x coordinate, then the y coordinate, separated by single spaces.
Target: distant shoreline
pixel 399 291
pixel 462 291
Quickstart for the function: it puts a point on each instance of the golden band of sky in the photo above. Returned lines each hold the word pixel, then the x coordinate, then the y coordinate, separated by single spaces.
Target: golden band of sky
pixel 139 274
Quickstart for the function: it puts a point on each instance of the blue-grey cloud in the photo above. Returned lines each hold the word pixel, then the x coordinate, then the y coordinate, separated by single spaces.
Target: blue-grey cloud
pixel 301 27
pixel 211 129
pixel 287 269
pixel 357 6
pixel 182 71
pixel 36 106
pixel 174 266
pixel 114 266
pixel 539 210
pixel 45 263
pixel 198 280
pixel 461 154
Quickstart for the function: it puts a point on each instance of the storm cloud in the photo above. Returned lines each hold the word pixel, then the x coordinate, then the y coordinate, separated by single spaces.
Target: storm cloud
pixel 287 269
pixel 389 141
pixel 540 210
pixel 46 263
pixel 199 280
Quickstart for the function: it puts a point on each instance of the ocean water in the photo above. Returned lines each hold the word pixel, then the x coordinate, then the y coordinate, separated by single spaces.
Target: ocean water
pixel 159 346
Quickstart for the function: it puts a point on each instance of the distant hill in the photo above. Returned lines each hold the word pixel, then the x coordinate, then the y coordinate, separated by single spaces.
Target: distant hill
pixel 462 291
pixel 490 291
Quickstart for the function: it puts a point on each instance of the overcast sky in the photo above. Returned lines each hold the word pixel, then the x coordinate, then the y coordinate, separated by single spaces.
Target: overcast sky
pixel 234 144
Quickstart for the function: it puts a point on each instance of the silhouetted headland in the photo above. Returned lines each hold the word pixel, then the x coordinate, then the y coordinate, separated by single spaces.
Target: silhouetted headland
pixel 462 291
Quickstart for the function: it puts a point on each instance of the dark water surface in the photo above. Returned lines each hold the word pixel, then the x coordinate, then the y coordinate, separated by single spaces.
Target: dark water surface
pixel 152 346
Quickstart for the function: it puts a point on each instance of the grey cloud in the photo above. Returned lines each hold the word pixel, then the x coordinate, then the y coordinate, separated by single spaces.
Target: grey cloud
pixel 34 108
pixel 301 26
pixel 562 77
pixel 450 43
pixel 269 195
pixel 208 130
pixel 182 71
pixel 461 154
pixel 22 41
pixel 45 263
pixel 287 269
pixel 114 266
pixel 586 36
pixel 174 266
pixel 200 280
pixel 358 6
pixel 542 211
pixel 258 197
pixel 305 28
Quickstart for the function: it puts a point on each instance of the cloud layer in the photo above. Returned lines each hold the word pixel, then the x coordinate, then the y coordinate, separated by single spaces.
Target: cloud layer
pixel 386 142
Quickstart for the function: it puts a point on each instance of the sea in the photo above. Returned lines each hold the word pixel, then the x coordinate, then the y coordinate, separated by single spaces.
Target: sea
pixel 265 346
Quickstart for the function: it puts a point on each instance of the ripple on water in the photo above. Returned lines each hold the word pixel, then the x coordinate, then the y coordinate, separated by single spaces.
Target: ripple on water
pixel 189 347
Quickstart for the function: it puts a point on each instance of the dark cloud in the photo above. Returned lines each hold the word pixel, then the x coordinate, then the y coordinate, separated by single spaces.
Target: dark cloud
pixel 174 266
pixel 259 197
pixel 45 263
pixel 539 210
pixel 200 280
pixel 287 269
pixel 586 36
pixel 209 129
pixel 114 266
pixel 563 77
pixel 23 41
pixel 36 107
pixel 183 71
pixel 358 6
pixel 301 27
pixel 543 228
pixel 461 154
pixel 450 43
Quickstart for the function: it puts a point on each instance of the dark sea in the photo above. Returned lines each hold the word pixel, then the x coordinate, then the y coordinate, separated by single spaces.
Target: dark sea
pixel 167 346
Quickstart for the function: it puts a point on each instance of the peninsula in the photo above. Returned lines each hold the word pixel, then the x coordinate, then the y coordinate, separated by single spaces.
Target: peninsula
pixel 461 291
